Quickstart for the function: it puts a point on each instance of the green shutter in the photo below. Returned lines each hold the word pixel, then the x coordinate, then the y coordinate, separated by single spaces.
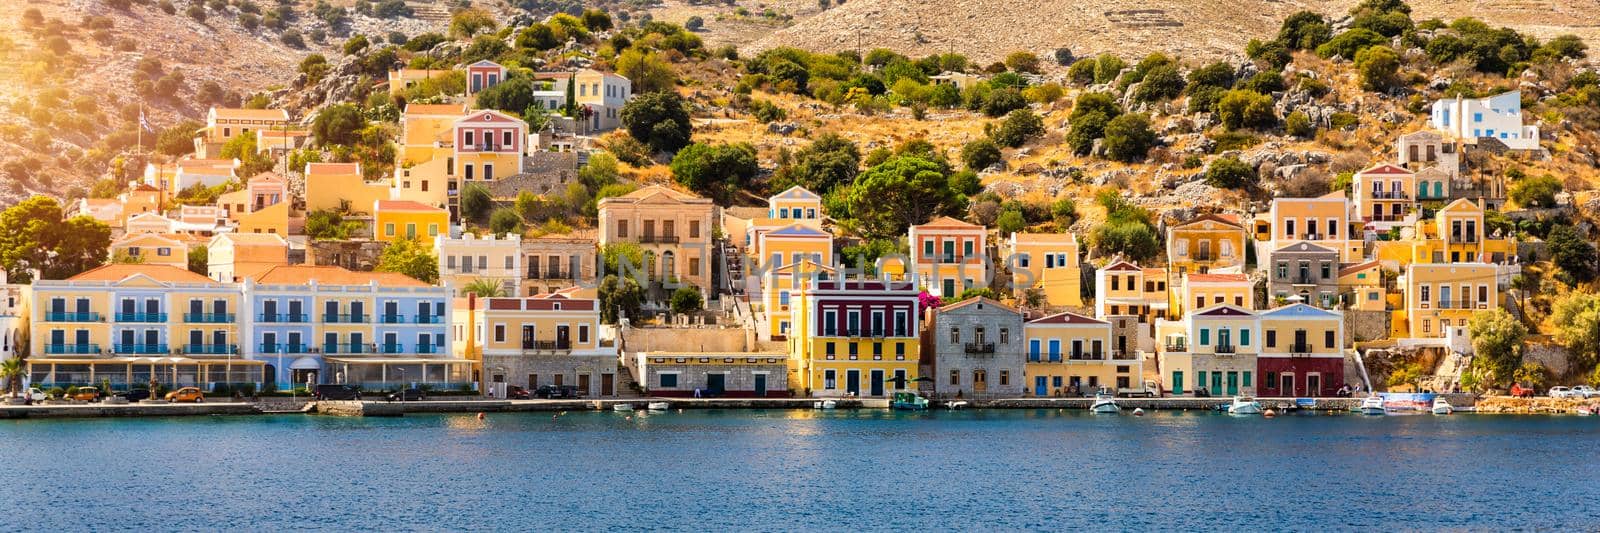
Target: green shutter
pixel 1205 337
pixel 1244 336
pixel 1247 379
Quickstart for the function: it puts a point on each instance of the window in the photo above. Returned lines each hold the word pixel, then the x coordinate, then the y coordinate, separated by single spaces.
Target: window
pixel 694 229
pixel 827 349
pixel 1272 338
pixel 828 379
pixel 927 247
pixel 1327 339
pixel 955 377
pixel 499 332
pixel 622 229
pixel 966 248
pixel 855 351
pixel 1033 350
pixel 506 138
pixel 1116 283
pixel 900 351
pixel 1205 337
pixel 1005 335
pixel 388 229
pixel 955 334
pixel 1022 260
pixel 1244 337
pixel 471 138
pixel 668 381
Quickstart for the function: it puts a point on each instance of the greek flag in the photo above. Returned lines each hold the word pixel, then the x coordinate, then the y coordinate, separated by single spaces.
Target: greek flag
pixel 143 123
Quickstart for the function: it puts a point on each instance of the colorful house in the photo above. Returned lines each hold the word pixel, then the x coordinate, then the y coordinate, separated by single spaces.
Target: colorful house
pixel 1302 352
pixel 673 227
pixel 1361 286
pixel 468 258
pixel 1123 288
pixel 341 187
pixel 1304 270
pixel 401 79
pixel 1204 290
pixel 974 350
pixel 483 75
pixel 783 250
pixel 1214 348
pixel 223 124
pixel 151 249
pixel 1324 220
pixel 1048 263
pixel 949 256
pixel 1071 355
pixel 234 257
pixel 554 263
pixel 1439 297
pixel 548 339
pixel 1497 117
pixel 489 145
pixel 1384 196
pixel 402 219
pixel 1456 234
pixel 854 338
pixel 1206 243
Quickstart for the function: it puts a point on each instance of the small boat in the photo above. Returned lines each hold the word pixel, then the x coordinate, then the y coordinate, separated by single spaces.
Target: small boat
pixel 1138 411
pixel 1105 404
pixel 1372 405
pixel 956 405
pixel 1441 407
pixel 908 401
pixel 1586 411
pixel 658 406
pixel 1244 405
pixel 825 404
pixel 622 407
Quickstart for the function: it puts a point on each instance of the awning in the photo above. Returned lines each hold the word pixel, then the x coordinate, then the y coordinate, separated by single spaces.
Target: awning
pixel 400 361
pixel 305 363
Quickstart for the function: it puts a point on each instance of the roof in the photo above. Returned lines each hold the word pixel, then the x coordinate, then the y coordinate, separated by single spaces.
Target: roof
pixel 947 223
pixel 976 300
pixel 1195 277
pixel 485 62
pixel 796 193
pixel 655 190
pixel 122 271
pixel 489 115
pixel 1306 247
pixel 333 168
pixel 1386 169
pixel 542 302
pixel 333 275
pixel 1299 311
pixel 196 164
pixel 252 239
pixel 1229 219
pixel 1222 311
pixel 1122 266
pixel 1067 318
pixel 436 109
pixel 404 205
pixel 1154 272
pixel 1353 268
pixel 136 237
pixel 250 114
pixel 1040 238
pixel 747 213
pixel 797 230
pixel 1460 203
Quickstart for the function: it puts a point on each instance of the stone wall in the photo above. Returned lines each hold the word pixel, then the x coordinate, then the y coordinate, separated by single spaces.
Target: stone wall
pixel 359 255
pixel 738 377
pixel 517 369
pixel 637 339
pixel 991 357
pixel 1362 326
pixel 1551 356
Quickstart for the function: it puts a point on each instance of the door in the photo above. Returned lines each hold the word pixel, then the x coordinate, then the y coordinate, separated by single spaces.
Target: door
pixel 877 383
pixel 980 381
pixel 1216 384
pixel 607 384
pixel 562 340
pixel 1313 385
pixel 533 382
pixel 716 384
pixel 761 385
pixel 1040 386
pixel 949 288
pixel 852 382
pixel 1233 383
pixel 583 385
pixel 1177 382
pixel 1286 384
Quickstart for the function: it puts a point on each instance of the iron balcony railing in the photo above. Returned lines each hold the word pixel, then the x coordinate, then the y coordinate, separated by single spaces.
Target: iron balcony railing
pixel 1088 356
pixel 1300 348
pixel 980 347
pixel 429 319
pixel 429 349
pixel 1202 256
pixel 72 349
pixel 1176 347
pixel 1390 195
pixel 546 345
pixel 208 318
pixel 282 318
pixel 139 349
pixel 282 348
pixel 334 318
pixel 141 317
pixel 658 239
pixel 392 319
pixel 391 349
pixel 345 348
pixel 210 349
pixel 1459 304
pixel 71 317
pixel 1225 348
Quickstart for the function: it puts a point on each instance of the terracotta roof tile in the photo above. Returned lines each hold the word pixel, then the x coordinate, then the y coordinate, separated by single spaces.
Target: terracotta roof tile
pixel 121 271
pixel 332 275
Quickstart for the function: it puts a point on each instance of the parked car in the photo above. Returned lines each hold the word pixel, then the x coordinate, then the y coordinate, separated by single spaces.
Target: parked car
pixel 1587 391
pixel 1564 392
pixel 337 392
pixel 1148 390
pixel 187 394
pixel 514 392
pixel 408 395
pixel 35 394
pixel 1519 391
pixel 85 394
pixel 136 395
pixel 556 392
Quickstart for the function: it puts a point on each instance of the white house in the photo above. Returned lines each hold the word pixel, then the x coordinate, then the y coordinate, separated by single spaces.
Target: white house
pixel 1498 117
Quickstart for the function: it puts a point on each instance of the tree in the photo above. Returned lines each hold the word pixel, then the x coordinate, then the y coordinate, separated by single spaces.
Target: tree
pixel 620 297
pixel 1065 212
pixel 718 171
pixel 1577 320
pixel 514 95
pixel 900 192
pixel 1245 109
pixel 329 225
pixel 1230 173
pixel 1018 128
pixel 475 202
pixel 1304 30
pixel 1379 67
pixel 199 260
pixel 1129 138
pixel 1004 100
pixel 484 288
pixel 1497 339
pixel 538 37
pixel 1090 114
pixel 649 71
pixel 251 161
pixel 828 162
pixel 178 140
pixel 980 154
pixel 687 299
pixel 1536 192
pixel 466 24
pixel 410 257
pixel 34 236
pixel 1299 125
pixel 1023 61
pixel 1573 252
pixel 338 124
pixel 659 119
pixel 1162 82
pixel 505 220
pixel 1351 42
pixel 1010 221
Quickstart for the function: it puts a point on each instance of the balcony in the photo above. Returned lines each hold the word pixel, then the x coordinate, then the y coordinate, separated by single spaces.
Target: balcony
pixel 1088 356
pixel 1312 237
pixel 658 239
pixel 546 346
pixel 139 349
pixel 1176 347
pixel 429 349
pixel 534 273
pixel 72 349
pixel 1390 195
pixel 1305 280
pixel 284 348
pixel 208 318
pixel 391 349
pixel 1385 218
pixel 1202 256
pixel 210 349
pixel 391 319
pixel 286 318
pixel 344 319
pixel 985 348
pixel 1225 349
pixel 430 319
pixel 1459 238
pixel 141 317
pixel 71 317
pixel 1460 304
pixel 351 348
pixel 1300 348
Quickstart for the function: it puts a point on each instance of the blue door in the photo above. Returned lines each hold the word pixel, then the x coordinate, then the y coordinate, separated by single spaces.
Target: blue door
pixel 1039 386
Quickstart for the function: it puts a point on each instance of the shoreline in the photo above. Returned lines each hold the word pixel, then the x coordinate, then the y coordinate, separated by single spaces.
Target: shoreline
pixel 1485 405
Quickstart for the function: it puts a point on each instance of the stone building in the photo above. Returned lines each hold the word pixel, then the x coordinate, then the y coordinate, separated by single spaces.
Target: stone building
pixel 978 350
pixel 714 374
pixel 1306 270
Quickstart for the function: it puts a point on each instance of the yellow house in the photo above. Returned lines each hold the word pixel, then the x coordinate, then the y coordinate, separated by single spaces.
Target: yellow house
pixel 1206 243
pixel 949 256
pixel 130 324
pixel 1324 220
pixel 673 227
pixel 1047 262
pixel 1124 289
pixel 1456 234
pixel 1362 286
pixel 1384 195
pixel 223 124
pixel 489 146
pixel 426 132
pixel 1443 296
pixel 401 219
pixel 1302 352
pixel 1072 355
pixel 272 220
pixel 548 339
pixel 469 258
pixel 854 338
pixel 140 198
pixel 782 250
pixel 151 249
pixel 233 257
pixel 796 205
pixel 1214 348
pixel 1205 290
pixel 336 186
pixel 401 79
pixel 746 225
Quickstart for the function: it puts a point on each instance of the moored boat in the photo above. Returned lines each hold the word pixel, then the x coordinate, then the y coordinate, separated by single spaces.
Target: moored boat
pixel 658 406
pixel 1442 407
pixel 956 405
pixel 1372 405
pixel 908 401
pixel 1244 405
pixel 622 407
pixel 825 404
pixel 1105 404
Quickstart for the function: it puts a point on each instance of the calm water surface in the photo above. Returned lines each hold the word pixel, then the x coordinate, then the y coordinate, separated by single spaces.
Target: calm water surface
pixel 803 470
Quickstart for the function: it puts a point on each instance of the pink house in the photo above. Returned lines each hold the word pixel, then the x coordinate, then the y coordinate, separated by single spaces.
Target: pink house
pixel 483 75
pixel 265 190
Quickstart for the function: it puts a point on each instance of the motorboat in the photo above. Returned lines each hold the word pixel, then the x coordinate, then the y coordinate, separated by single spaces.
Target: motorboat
pixel 1372 405
pixel 1586 411
pixel 956 405
pixel 622 407
pixel 825 404
pixel 1244 405
pixel 658 406
pixel 1441 407
pixel 908 401
pixel 1105 404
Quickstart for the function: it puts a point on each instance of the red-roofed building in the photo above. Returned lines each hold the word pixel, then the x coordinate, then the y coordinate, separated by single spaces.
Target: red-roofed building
pixel 949 256
pixel 547 339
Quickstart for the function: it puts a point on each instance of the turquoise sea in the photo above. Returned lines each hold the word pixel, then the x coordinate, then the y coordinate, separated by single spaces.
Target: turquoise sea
pixel 803 470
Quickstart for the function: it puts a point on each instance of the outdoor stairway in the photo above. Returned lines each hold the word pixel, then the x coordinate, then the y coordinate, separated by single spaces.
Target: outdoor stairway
pixel 1448 373
pixel 627 387
pixel 429 11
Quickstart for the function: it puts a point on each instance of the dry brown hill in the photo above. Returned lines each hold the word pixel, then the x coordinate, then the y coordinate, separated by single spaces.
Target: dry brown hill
pixel 986 30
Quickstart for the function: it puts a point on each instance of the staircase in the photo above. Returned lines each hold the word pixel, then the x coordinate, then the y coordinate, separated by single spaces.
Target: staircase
pixel 627 387
pixel 429 11
pixel 1448 373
